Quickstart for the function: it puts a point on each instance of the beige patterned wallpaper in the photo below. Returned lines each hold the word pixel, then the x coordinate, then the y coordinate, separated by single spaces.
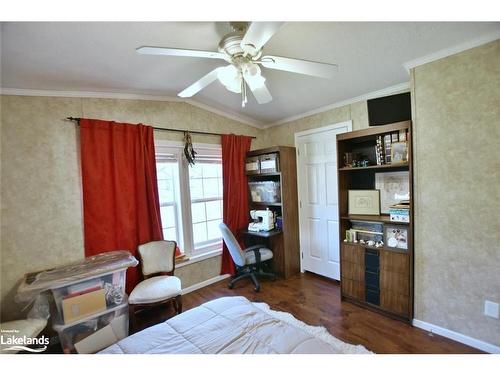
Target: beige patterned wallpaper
pixel 41 213
pixel 284 134
pixel 457 191
pixel 456 112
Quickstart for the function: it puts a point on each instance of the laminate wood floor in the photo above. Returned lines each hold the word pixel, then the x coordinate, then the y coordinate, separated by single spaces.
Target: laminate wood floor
pixel 316 301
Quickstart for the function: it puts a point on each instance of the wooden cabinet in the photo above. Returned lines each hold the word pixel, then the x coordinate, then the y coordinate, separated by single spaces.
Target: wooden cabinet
pixel 377 278
pixel 394 302
pixel 352 288
pixel 392 261
pixel 278 164
pixel 353 277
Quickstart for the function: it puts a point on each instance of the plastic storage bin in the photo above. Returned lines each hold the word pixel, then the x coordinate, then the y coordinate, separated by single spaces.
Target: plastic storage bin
pixel 252 165
pixel 269 163
pixel 112 283
pixel 265 191
pixel 95 332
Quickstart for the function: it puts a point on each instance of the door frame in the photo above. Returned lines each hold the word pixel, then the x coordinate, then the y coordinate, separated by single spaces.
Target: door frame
pixel 297 135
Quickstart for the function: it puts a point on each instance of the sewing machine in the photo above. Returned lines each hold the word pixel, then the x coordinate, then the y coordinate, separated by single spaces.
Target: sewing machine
pixel 263 220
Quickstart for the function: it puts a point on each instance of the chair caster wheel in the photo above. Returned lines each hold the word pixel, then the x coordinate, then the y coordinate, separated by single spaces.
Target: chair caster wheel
pixel 257 289
pixel 230 286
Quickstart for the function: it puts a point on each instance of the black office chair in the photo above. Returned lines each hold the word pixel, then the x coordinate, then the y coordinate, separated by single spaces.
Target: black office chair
pixel 249 261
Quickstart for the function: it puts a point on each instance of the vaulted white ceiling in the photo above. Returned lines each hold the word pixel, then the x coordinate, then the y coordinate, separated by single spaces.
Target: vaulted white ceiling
pixel 101 57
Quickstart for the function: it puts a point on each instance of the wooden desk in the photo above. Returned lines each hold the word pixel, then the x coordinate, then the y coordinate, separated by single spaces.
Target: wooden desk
pixel 264 234
pixel 273 240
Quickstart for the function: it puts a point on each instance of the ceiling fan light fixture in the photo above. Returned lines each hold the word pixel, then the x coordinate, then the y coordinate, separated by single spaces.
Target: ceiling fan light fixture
pixel 253 76
pixel 230 77
pixel 251 69
pixel 235 87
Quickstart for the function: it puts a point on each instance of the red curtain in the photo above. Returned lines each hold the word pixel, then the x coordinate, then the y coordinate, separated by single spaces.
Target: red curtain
pixel 120 194
pixel 235 189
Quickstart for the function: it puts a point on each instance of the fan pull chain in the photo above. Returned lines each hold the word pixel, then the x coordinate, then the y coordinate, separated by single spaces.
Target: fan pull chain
pixel 243 93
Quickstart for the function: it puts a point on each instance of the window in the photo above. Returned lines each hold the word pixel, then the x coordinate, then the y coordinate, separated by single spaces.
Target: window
pixel 205 185
pixel 190 197
pixel 167 170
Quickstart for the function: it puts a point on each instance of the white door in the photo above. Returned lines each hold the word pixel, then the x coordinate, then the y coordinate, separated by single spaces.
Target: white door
pixel 318 199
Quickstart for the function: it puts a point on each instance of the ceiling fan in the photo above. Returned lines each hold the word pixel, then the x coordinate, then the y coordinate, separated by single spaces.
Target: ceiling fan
pixel 242 49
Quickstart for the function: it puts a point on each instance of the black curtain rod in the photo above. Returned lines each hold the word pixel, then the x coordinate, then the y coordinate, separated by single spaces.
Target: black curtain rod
pixel 77 119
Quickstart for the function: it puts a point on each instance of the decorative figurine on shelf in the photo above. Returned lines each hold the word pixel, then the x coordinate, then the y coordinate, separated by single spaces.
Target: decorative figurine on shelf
pixel 348 159
pixel 364 163
pixel 358 160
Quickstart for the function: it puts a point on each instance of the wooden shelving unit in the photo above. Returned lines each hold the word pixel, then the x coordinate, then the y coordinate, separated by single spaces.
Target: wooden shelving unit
pixel 285 243
pixel 394 271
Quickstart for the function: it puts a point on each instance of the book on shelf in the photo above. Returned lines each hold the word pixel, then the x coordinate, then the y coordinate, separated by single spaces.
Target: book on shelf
pixel 401 204
pixel 379 151
pixel 400 212
pixel 387 149
pixel 402 135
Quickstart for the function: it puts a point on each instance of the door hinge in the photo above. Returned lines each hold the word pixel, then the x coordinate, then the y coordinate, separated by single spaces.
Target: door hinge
pixel 300 204
pixel 298 151
pixel 302 255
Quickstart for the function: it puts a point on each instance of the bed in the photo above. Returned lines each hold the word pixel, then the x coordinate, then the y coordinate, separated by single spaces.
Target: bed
pixel 232 325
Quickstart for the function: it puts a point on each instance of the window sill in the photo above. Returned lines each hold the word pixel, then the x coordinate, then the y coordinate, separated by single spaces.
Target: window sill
pixel 198 258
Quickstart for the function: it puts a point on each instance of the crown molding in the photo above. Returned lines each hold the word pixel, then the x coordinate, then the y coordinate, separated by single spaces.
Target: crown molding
pixel 130 96
pixel 227 113
pixel 451 50
pixel 371 95
pixel 86 94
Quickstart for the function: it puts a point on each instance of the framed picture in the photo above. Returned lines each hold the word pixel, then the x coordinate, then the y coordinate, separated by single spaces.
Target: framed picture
pixel 364 202
pixel 399 152
pixel 396 236
pixel 394 187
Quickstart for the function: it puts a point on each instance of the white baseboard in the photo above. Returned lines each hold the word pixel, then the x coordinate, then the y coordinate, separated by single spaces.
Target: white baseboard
pixel 213 280
pixel 467 340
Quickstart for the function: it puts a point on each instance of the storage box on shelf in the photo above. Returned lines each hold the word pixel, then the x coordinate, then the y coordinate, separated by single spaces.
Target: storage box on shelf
pixel 265 191
pixel 378 277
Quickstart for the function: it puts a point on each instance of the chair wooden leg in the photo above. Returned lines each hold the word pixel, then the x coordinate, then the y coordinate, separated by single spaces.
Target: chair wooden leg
pixel 178 304
pixel 132 318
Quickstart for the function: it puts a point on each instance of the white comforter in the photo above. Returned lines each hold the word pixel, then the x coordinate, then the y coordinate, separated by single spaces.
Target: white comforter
pixel 230 325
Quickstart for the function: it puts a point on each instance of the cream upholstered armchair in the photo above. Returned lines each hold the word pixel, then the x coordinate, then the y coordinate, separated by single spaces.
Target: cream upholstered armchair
pixel 157 260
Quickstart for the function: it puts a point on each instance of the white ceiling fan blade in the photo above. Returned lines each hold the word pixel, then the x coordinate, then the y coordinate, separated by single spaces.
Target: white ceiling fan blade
pixel 200 84
pixel 165 51
pixel 260 91
pixel 311 68
pixel 258 34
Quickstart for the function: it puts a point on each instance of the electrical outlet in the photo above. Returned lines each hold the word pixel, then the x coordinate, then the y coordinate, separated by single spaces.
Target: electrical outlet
pixel 491 309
